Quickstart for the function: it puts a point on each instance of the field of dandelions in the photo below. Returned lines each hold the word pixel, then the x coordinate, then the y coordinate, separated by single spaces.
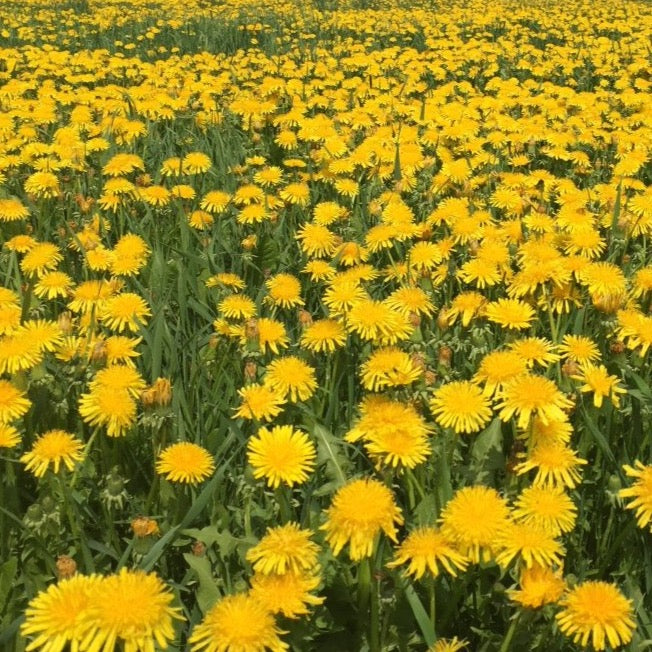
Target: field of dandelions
pixel 325 326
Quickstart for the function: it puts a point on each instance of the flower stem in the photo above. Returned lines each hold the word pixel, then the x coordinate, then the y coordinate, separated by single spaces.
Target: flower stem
pixel 507 641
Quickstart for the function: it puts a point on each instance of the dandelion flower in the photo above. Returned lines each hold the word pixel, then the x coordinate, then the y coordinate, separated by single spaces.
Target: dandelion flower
pixel 547 507
pixel 510 313
pixel 579 349
pixel 539 585
pixel 461 406
pixel 125 311
pixel 185 462
pixel 596 379
pixel 474 519
pixel 449 645
pixel 324 335
pixel 237 306
pixel 427 548
pixel 259 402
pixel 597 613
pixel 360 510
pixel 55 617
pixel 530 395
pixel 12 210
pixel 498 367
pixel 237 622
pixel 9 436
pixel 293 378
pixel 56 448
pixel 115 409
pixel 131 608
pixel 285 548
pixel 41 258
pixel 640 491
pixel 556 464
pixel 281 455
pixel 532 544
pixel 284 291
pixel 288 593
pixel 196 163
pixel 13 403
pixel 389 367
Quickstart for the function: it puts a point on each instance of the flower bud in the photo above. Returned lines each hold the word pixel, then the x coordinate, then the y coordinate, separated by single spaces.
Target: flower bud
pixel 66 567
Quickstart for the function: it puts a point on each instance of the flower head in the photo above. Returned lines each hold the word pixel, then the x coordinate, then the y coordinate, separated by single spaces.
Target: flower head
pixel 640 491
pixel 360 510
pixel 185 462
pixel 55 447
pixel 281 455
pixel 596 612
pixel 461 405
pixel 238 622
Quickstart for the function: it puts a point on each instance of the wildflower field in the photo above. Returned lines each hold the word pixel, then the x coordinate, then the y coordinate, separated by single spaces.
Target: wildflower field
pixel 325 325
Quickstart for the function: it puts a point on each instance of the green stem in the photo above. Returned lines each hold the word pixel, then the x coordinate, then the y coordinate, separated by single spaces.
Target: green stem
pixel 374 615
pixel 364 587
pixel 507 641
pixel 433 612
pixel 71 514
pixel 283 503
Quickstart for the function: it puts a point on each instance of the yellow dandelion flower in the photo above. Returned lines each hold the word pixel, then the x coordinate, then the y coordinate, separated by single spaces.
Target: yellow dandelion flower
pixel 324 335
pixel 462 406
pixel 427 548
pixel 556 464
pixel 510 313
pixel 56 448
pixel 288 593
pixel 19 352
pixel 389 367
pixel 237 622
pixel 547 507
pixel 532 544
pixel 640 491
pixel 215 201
pixel 498 367
pixel 12 210
pixel 579 348
pixel 292 377
pixel 360 510
pixel 449 645
pixel 597 613
pixel 125 311
pixel 55 617
pixel 535 350
pixel 528 395
pixel 272 335
pixel 9 436
pixel 131 609
pixel 474 519
pixel 259 402
pixel 284 291
pixel 596 379
pixel 115 409
pixel 467 305
pixel 13 402
pixel 41 258
pixel 539 586
pixel 281 455
pixel 52 285
pixel 196 163
pixel 185 462
pixel 285 548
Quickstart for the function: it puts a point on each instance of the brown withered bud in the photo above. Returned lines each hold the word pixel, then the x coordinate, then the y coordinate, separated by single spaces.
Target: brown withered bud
pixel 445 355
pixel 305 318
pixel 573 398
pixel 442 320
pixel 143 180
pixel 98 352
pixel 251 329
pixel 213 341
pixel 148 397
pixel 626 259
pixel 198 549
pixel 162 391
pixel 143 527
pixel 250 370
pixel 617 347
pixel 430 377
pixel 570 368
pixel 418 359
pixel 414 319
pixel 426 233
pixel 474 245
pixel 64 320
pixel 66 567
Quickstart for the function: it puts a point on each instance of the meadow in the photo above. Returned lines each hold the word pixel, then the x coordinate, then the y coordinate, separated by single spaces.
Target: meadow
pixel 325 326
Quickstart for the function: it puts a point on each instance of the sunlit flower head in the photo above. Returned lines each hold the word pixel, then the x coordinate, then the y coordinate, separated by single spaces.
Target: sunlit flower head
pixel 54 448
pixel 185 462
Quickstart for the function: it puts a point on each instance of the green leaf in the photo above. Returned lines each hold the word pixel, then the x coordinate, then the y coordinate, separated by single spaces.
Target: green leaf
pixel 487 452
pixel 328 451
pixel 600 439
pixel 207 594
pixel 7 575
pixel 421 615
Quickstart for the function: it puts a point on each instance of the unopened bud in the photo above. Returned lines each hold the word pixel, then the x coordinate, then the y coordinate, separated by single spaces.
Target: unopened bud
pixel 144 527
pixel 250 370
pixel 445 355
pixel 198 549
pixel 305 318
pixel 66 567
